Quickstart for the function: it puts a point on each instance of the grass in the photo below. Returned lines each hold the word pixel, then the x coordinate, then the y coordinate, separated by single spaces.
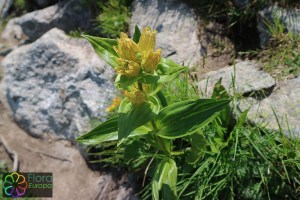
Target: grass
pixel 110 18
pixel 235 160
pixel 114 17
pixel 253 163
pixel 281 58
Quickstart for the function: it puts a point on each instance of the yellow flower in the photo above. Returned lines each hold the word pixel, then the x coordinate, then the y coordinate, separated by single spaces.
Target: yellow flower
pixel 133 57
pixel 147 41
pixel 128 68
pixel 127 49
pixel 116 102
pixel 150 63
pixel 136 97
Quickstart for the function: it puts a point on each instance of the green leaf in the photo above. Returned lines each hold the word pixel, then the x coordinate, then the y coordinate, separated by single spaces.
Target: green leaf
pixel 106 131
pixel 185 118
pixel 242 118
pixel 123 81
pixel 165 180
pixel 133 118
pixel 167 70
pixel 172 74
pixel 162 98
pixel 198 143
pixel 159 143
pixel 104 48
pixel 167 64
pixel 142 130
pixel 154 104
pixel 167 114
pixel 137 34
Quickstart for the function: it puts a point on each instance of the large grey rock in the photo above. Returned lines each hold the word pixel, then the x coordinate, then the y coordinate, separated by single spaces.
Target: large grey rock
pixel 286 104
pixel 248 78
pixel 176 25
pixel 109 189
pixel 5 5
pixel 66 15
pixel 289 18
pixel 57 85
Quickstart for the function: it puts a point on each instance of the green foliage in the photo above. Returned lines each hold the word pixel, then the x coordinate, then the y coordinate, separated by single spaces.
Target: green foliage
pixel 76 33
pixel 132 118
pixel 253 165
pixel 165 179
pixel 113 17
pixel 147 119
pixel 103 48
pixel 231 13
pixel 23 6
pixel 20 4
pixel 281 56
pixel 183 147
pixel 187 117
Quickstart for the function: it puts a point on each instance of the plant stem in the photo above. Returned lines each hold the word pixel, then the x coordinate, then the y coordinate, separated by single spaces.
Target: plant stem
pixel 161 141
pixel 177 153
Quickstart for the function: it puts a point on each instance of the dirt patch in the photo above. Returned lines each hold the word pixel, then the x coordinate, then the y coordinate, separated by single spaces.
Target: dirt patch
pixel 217 49
pixel 70 172
pixel 72 179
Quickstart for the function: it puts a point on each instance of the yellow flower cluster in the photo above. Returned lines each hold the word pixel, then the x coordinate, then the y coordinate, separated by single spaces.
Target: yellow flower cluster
pixel 134 57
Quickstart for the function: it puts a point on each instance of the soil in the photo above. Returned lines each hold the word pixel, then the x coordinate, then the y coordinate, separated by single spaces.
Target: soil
pixel 70 171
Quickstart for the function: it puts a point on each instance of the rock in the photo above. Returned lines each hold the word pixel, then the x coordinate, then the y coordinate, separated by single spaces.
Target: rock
pixel 57 85
pixel 289 18
pixel 5 6
pixel 109 189
pixel 13 34
pixel 176 26
pixel 66 15
pixel 45 3
pixel 248 79
pixel 241 3
pixel 286 104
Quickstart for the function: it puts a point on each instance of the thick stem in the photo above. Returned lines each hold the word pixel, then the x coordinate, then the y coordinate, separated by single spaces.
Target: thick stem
pixel 163 143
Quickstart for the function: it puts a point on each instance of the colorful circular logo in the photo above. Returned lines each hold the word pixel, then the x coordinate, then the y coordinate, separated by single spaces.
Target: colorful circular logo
pixel 15 185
